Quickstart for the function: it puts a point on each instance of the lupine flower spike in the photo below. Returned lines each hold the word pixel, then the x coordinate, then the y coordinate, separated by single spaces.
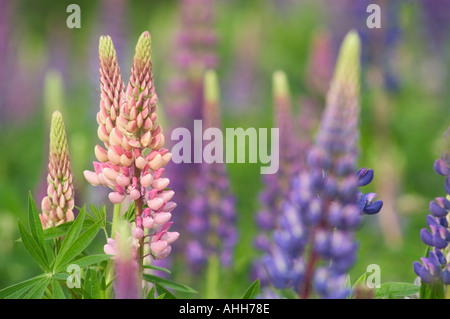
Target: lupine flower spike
pixel 325 207
pixel 195 42
pixel 57 206
pixel 434 268
pixel 134 157
pixel 277 186
pixel 212 222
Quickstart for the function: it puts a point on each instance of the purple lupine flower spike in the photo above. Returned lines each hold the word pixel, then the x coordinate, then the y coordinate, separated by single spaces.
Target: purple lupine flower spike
pixel 277 186
pixel 433 268
pixel 212 222
pixel 323 208
pixel 195 45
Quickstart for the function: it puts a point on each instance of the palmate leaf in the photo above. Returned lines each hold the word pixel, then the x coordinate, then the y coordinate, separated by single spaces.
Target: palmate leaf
pixel 396 289
pixel 61 230
pixel 57 290
pixel 168 283
pixel 91 287
pixel 129 215
pixel 151 293
pixel 57 231
pixel 360 281
pixel 163 291
pixel 17 290
pixel 91 260
pixel 157 268
pixel 33 248
pixel 72 234
pixel 76 246
pixel 252 291
pixel 35 223
pixel 38 290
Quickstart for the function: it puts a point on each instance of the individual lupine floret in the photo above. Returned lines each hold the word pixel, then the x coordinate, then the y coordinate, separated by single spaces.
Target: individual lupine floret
pixel 434 268
pixel 212 220
pixel 135 157
pixel 57 206
pixel 325 201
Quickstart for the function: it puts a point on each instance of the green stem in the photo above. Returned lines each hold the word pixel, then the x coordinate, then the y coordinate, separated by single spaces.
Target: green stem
pixel 212 277
pixel 110 266
pixel 116 217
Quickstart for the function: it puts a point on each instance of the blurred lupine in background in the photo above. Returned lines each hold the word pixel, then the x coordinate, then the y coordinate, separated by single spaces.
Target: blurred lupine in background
pixel 325 207
pixel 380 58
pixel 194 52
pixel 58 205
pixel 277 186
pixel 212 221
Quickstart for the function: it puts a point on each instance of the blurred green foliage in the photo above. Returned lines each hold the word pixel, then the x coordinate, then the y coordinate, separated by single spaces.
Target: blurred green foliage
pixel 416 118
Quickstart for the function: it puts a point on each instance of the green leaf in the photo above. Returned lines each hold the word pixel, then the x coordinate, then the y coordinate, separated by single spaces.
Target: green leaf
pixel 57 290
pixel 90 260
pixel 99 213
pixel 61 230
pixel 360 281
pixel 81 243
pixel 252 291
pixel 396 289
pixel 129 215
pixel 57 231
pixel 38 290
pixel 151 293
pixel 91 285
pixel 168 283
pixel 161 296
pixel 61 276
pixel 72 234
pixel 157 268
pixel 163 291
pixel 432 291
pixel 15 291
pixel 35 222
pixel 33 248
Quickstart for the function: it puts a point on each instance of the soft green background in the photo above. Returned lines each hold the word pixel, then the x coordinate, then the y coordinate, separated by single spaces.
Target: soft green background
pixel 416 117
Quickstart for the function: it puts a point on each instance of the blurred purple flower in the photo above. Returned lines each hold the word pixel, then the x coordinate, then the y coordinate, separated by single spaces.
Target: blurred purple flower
pixel 433 268
pixel 323 206
pixel 212 221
